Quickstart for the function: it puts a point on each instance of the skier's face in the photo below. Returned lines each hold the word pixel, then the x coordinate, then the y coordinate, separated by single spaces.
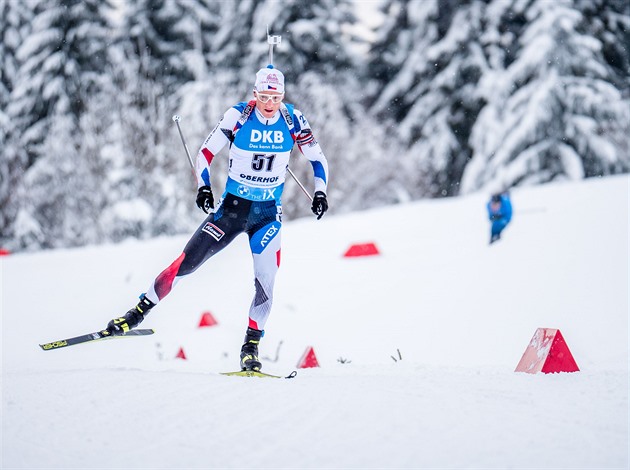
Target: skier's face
pixel 268 103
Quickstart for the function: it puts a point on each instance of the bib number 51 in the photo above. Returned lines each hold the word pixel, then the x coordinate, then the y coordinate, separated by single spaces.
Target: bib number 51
pixel 262 161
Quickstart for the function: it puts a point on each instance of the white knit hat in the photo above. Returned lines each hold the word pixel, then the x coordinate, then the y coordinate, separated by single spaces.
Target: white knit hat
pixel 269 79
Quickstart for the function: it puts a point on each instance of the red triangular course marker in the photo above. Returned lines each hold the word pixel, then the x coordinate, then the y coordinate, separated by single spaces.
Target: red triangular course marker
pixel 207 320
pixel 547 352
pixel 181 354
pixel 308 359
pixel 361 249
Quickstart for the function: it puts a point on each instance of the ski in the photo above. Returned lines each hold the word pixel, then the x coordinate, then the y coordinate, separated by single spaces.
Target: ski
pixel 255 373
pixel 96 336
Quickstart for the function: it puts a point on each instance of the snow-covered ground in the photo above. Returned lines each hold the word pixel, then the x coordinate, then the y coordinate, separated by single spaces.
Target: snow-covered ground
pixel 459 311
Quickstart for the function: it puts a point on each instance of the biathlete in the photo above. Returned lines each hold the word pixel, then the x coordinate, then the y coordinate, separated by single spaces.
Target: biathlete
pixel 261 134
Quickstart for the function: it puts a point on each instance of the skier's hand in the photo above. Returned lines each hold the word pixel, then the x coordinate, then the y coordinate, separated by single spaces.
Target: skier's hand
pixel 320 204
pixel 205 199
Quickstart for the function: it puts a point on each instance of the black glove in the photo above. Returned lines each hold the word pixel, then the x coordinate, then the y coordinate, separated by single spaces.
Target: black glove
pixel 205 200
pixel 320 204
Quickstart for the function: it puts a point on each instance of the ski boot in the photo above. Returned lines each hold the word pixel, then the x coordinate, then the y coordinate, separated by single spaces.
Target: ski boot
pixel 249 351
pixel 132 318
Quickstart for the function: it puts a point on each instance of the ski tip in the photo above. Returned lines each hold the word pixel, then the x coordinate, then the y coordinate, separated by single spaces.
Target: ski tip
pixel 54 345
pixel 98 335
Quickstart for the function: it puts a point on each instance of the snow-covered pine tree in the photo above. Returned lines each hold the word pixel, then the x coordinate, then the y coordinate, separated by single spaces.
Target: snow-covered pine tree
pixel 424 67
pixel 609 22
pixel 388 53
pixel 60 195
pixel 159 48
pixel 61 65
pixel 558 107
pixel 14 26
pixel 222 47
pixel 158 35
pixel 61 62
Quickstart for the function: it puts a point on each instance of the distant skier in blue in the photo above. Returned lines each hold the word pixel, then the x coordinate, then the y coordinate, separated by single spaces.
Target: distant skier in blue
pixel 260 135
pixel 500 214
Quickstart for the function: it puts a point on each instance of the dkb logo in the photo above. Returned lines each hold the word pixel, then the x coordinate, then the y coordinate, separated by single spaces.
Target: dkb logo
pixel 266 137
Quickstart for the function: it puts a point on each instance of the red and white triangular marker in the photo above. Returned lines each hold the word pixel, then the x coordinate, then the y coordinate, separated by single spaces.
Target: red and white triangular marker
pixel 181 354
pixel 207 320
pixel 547 352
pixel 308 359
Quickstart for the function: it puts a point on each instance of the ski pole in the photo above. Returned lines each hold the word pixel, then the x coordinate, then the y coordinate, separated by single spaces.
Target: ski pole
pixel 300 184
pixel 272 41
pixel 176 119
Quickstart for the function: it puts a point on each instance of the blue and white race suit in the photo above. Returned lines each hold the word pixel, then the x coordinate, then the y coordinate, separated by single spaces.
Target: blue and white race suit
pixel 259 155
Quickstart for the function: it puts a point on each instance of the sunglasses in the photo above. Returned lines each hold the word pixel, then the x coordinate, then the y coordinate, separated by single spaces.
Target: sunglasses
pixel 264 98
